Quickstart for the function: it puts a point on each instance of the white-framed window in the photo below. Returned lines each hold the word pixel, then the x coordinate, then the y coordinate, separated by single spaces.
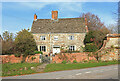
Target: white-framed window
pixel 71 37
pixel 55 37
pixel 72 48
pixel 43 48
pixel 42 37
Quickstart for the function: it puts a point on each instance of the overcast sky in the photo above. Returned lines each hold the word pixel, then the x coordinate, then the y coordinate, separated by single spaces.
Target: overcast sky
pixel 19 15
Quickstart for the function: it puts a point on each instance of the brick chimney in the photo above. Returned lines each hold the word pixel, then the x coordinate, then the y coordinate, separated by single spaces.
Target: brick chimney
pixel 35 17
pixel 54 15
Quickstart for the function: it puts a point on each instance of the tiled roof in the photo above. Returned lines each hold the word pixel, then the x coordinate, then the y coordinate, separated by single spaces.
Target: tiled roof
pixel 65 25
pixel 113 35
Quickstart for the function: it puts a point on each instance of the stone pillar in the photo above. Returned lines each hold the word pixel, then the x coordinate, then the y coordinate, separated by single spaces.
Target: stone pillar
pixel 40 59
pixel 51 58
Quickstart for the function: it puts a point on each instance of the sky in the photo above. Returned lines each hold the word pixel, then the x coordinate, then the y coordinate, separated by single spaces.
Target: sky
pixel 20 15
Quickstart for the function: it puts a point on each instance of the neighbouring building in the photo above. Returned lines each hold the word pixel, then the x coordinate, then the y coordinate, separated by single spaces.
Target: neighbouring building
pixel 113 40
pixel 52 35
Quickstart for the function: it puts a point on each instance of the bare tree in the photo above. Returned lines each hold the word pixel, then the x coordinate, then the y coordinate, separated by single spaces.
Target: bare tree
pixel 113 28
pixel 93 21
pixel 7 43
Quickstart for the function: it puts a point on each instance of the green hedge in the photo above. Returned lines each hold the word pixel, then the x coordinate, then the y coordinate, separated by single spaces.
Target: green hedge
pixel 64 62
pixel 37 52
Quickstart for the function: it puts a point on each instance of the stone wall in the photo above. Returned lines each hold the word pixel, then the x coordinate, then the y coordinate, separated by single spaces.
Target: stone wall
pixel 62 41
pixel 104 55
pixel 10 59
pixel 33 59
pixel 70 57
pixel 110 54
pixel 13 59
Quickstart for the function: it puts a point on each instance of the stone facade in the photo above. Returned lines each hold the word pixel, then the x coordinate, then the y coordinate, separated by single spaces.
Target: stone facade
pixel 63 41
pixel 52 35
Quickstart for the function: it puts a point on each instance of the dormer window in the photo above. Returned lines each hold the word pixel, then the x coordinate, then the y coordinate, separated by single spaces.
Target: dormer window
pixel 42 37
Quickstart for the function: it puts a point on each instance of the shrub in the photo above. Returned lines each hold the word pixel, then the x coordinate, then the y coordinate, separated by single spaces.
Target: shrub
pixel 90 48
pixel 115 60
pixel 100 61
pixel 24 43
pixel 37 52
pixel 64 62
pixel 105 61
pixel 112 46
pixel 68 51
pixel 22 61
pixel 92 61
pixel 17 55
pixel 33 58
pixel 69 62
pixel 85 61
pixel 74 61
pixel 55 53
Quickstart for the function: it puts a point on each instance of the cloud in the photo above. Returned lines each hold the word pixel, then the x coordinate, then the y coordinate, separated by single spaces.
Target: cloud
pixel 69 9
pixel 35 5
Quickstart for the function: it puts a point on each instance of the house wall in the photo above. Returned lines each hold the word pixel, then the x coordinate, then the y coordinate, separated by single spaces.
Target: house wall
pixel 62 41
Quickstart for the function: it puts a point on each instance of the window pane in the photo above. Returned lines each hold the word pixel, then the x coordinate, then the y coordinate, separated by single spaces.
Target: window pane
pixel 42 37
pixel 45 48
pixel 73 48
pixel 55 37
pixel 42 48
pixel 71 37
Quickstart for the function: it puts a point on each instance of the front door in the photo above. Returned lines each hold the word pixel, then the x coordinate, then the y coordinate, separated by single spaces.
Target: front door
pixel 56 49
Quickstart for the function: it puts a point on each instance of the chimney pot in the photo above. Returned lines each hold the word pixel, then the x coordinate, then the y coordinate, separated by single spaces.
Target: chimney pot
pixel 54 15
pixel 35 17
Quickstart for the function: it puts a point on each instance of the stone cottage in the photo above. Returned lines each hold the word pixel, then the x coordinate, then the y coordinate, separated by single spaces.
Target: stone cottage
pixel 113 40
pixel 56 34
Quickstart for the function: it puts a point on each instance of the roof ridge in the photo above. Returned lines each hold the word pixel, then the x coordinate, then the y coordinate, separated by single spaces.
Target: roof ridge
pixel 60 18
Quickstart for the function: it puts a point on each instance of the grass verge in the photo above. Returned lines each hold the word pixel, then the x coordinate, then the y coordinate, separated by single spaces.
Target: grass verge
pixel 60 67
pixel 18 68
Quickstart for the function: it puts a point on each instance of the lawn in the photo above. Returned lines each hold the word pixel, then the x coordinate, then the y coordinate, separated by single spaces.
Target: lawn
pixel 18 68
pixel 25 68
pixel 60 67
